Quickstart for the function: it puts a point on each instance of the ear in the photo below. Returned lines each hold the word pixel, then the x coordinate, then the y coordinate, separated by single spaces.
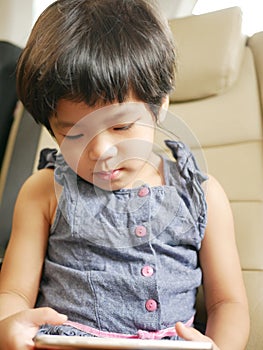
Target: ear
pixel 163 109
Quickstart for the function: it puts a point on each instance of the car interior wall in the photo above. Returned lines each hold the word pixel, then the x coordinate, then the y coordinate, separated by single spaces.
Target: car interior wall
pixel 15 21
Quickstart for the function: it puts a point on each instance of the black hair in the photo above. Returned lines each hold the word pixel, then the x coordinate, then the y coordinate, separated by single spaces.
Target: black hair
pixel 95 50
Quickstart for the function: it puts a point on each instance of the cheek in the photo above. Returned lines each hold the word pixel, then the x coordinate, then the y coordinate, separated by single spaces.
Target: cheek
pixel 73 153
pixel 80 165
pixel 135 148
pixel 84 168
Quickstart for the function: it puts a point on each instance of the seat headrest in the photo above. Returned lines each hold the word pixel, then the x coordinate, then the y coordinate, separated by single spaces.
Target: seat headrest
pixel 210 51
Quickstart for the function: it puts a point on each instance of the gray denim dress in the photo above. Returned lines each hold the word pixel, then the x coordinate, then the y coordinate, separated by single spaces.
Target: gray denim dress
pixel 126 260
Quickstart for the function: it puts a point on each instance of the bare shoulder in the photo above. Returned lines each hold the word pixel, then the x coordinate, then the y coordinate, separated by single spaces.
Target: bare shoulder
pixel 40 181
pixel 219 241
pixel 39 193
pixel 216 196
pixel 213 186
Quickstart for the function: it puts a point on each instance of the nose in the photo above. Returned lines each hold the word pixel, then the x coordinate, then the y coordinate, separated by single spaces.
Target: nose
pixel 102 147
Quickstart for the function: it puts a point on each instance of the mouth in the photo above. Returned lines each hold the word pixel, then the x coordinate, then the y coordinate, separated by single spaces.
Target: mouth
pixel 107 175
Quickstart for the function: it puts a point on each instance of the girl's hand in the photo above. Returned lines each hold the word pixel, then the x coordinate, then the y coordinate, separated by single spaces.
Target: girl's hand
pixel 17 331
pixel 189 333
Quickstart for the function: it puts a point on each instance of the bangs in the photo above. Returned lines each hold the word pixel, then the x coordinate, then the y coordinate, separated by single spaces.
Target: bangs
pixel 95 51
pixel 114 57
pixel 99 70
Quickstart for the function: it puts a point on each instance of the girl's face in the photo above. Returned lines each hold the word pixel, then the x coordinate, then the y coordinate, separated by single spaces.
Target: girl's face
pixel 109 146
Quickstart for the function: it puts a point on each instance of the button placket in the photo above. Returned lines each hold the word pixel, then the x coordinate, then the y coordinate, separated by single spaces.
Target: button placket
pixel 140 231
pixel 151 305
pixel 144 191
pixel 147 271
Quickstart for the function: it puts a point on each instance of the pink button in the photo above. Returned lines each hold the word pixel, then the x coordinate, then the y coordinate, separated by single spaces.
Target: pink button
pixel 151 305
pixel 140 231
pixel 147 271
pixel 144 191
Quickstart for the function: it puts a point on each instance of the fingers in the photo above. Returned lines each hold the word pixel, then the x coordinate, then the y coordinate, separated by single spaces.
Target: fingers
pixel 43 315
pixel 188 333
pixel 17 331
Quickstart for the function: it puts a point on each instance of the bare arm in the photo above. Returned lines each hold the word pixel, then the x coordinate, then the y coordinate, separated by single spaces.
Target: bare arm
pixel 225 297
pixel 226 302
pixel 22 266
pixel 21 270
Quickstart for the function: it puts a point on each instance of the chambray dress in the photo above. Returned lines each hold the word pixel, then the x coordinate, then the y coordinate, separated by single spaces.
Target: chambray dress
pixel 125 261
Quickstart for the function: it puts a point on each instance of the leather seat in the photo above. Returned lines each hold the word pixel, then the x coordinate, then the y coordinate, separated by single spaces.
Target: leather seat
pixel 9 54
pixel 219 97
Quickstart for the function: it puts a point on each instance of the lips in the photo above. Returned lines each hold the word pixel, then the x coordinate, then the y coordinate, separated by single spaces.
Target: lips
pixel 107 175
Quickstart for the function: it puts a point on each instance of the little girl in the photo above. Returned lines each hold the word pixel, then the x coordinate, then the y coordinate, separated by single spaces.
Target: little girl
pixel 122 239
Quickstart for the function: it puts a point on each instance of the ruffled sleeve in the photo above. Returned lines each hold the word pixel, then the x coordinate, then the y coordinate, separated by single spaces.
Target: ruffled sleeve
pixel 47 158
pixel 51 159
pixel 192 190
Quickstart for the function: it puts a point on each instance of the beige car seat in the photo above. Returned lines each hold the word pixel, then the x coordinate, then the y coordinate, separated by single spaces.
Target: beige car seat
pixel 219 95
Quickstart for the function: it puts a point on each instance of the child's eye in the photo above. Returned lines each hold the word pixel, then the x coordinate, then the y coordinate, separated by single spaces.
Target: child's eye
pixel 73 137
pixel 123 127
